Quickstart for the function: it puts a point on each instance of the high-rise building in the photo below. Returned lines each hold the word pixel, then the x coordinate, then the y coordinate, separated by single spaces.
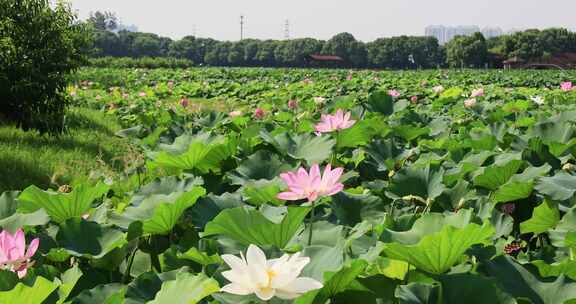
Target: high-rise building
pixel 446 33
pixel 490 32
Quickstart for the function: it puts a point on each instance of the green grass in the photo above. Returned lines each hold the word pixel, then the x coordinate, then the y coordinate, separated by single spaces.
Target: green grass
pixel 88 148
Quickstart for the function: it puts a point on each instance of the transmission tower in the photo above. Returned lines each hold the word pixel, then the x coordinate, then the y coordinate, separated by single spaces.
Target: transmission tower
pixel 242 22
pixel 287 29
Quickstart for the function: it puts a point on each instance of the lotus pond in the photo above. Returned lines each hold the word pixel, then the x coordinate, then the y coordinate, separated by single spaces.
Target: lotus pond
pixel 310 186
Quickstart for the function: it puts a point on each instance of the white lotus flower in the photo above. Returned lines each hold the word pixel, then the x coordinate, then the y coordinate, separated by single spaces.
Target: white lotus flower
pixel 470 103
pixel 267 278
pixel 539 100
pixel 438 89
pixel 319 100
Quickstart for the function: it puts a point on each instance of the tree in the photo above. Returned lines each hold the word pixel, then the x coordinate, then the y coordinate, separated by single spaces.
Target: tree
pixel 467 51
pixel 345 46
pixel 103 21
pixel 39 47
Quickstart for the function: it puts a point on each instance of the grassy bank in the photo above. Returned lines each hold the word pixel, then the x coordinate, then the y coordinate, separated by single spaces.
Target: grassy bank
pixel 89 147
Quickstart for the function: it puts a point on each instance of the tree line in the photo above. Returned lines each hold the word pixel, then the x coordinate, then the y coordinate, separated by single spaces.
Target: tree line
pixel 403 52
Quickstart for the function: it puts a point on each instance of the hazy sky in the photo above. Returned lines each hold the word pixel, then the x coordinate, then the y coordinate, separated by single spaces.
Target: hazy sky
pixel 366 19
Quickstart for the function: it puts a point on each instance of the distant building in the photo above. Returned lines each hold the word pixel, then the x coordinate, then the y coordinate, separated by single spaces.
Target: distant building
pixel 446 33
pixel 491 32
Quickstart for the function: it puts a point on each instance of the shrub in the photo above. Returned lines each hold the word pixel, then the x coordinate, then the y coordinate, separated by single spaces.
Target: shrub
pixel 144 62
pixel 39 45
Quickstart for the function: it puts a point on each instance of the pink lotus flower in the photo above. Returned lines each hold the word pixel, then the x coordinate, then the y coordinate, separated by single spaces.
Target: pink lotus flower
pixel 259 113
pixel 414 99
pixel 142 94
pixel 477 93
pixel 394 93
pixel 125 95
pixel 98 97
pixel 170 84
pixel 292 104
pixel 349 77
pixel 469 103
pixel 184 102
pixel 311 186
pixel 566 86
pixel 13 254
pixel 73 93
pixel 308 81
pixel 330 123
pixel 438 89
pixel 235 113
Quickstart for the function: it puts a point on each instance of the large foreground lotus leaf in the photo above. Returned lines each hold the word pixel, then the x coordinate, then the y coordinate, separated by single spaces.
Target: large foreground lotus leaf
pixel 436 253
pixel 23 294
pixel 262 192
pixel 89 239
pixel 69 279
pixel 410 132
pixel 380 102
pixel 186 289
pixel 250 226
pixel 358 135
pixel 385 154
pixel 11 220
pixel 159 213
pixel 558 187
pixel 520 186
pixel 260 165
pixel 106 294
pixel 423 183
pixel 313 149
pixel 545 216
pixel 417 293
pixel 334 283
pixel 520 283
pixel 164 185
pixel 61 206
pixel 563 232
pixel 201 154
pixel 566 267
pixel 494 176
pixel 472 289
pixel 428 224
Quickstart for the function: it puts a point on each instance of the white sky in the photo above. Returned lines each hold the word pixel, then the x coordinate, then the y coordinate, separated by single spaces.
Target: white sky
pixel 365 19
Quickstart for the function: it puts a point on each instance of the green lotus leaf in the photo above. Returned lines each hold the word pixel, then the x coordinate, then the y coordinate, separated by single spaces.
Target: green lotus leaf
pixel 112 293
pixel 88 239
pixel 260 165
pixel 436 253
pixel 515 280
pixel 34 294
pixel 423 183
pixel 159 213
pixel 427 224
pixel 262 192
pixel 334 283
pixel 202 154
pixel 313 149
pixel 558 187
pixel 380 102
pixel 546 216
pixel 563 232
pixel 250 226
pixel 11 220
pixel 494 176
pixel 186 289
pixel 61 206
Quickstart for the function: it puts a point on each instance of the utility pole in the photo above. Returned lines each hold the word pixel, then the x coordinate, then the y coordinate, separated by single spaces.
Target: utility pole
pixel 287 30
pixel 194 30
pixel 242 22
